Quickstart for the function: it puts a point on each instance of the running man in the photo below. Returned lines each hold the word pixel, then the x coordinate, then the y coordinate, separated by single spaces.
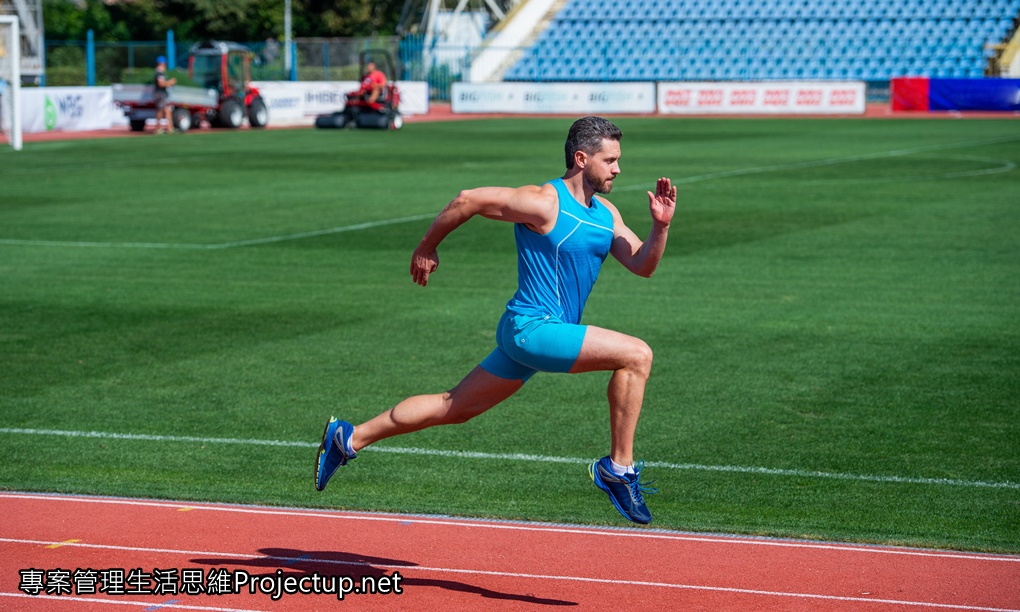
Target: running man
pixel 563 235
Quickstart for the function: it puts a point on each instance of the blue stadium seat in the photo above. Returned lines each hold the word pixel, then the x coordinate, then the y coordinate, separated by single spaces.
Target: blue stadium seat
pixel 753 39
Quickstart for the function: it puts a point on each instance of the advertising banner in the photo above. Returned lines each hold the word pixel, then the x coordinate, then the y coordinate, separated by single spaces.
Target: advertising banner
pixel 925 94
pixel 909 94
pixel 974 94
pixel 300 102
pixel 44 109
pixel 541 98
pixel 788 98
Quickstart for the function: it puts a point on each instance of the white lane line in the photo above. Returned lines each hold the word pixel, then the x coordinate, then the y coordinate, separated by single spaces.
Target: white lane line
pixel 148 605
pixel 324 232
pixel 106 245
pixel 404 568
pixel 737 469
pixel 622 532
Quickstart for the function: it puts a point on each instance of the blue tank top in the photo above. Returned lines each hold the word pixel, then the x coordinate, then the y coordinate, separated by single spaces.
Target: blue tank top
pixel 556 271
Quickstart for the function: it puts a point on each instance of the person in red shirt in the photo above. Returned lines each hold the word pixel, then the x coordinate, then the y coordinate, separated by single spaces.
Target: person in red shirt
pixel 372 83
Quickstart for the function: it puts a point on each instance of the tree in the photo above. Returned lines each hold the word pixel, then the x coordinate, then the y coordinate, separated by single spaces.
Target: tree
pixel 240 20
pixel 351 17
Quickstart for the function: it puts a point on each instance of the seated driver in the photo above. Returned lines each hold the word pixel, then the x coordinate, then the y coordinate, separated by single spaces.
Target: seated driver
pixel 372 85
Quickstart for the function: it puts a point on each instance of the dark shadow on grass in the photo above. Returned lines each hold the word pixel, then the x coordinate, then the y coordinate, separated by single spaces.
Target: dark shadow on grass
pixel 298 564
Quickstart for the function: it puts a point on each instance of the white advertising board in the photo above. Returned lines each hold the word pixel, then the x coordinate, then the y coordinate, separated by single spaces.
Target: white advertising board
pixel 539 98
pixel 300 102
pixel 45 109
pixel 792 97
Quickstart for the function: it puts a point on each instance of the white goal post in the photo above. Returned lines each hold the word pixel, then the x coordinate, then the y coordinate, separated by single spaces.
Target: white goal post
pixel 10 80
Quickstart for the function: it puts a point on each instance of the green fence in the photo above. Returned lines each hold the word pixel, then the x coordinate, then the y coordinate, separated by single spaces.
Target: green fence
pixel 70 62
pixel 86 62
pixel 82 62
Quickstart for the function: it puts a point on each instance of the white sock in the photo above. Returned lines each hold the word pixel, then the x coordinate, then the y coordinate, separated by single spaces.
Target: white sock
pixel 347 443
pixel 620 470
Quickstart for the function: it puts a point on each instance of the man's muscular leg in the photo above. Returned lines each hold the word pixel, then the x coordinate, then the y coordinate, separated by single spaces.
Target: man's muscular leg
pixel 630 359
pixel 478 392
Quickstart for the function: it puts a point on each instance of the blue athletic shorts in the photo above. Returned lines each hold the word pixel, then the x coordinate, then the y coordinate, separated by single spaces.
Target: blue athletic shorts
pixel 529 344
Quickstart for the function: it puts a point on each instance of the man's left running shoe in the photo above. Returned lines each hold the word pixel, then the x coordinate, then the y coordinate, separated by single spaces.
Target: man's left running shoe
pixel 333 451
pixel 624 491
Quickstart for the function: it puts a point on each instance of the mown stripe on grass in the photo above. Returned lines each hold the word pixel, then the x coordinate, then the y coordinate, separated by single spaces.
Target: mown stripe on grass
pixel 1005 166
pixel 832 161
pixel 739 469
pixel 192 246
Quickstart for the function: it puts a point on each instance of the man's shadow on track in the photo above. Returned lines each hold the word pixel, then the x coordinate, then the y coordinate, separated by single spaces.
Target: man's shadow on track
pixel 298 563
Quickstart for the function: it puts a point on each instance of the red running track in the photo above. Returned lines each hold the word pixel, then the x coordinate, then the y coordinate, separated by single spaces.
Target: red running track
pixel 49 542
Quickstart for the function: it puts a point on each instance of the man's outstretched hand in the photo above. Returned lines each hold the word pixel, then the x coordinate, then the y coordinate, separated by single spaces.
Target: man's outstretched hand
pixel 662 203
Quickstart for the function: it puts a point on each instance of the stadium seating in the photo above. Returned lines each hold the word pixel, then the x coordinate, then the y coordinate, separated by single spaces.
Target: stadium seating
pixel 639 40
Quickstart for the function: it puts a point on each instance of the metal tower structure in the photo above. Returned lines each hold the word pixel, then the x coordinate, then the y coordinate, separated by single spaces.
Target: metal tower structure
pixel 452 30
pixel 33 52
pixel 440 19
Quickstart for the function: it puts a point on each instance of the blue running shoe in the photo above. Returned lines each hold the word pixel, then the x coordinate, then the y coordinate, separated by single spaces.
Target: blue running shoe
pixel 333 450
pixel 624 491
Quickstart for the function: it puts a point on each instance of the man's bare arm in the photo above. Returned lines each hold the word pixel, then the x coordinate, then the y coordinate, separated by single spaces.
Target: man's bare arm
pixel 642 258
pixel 533 205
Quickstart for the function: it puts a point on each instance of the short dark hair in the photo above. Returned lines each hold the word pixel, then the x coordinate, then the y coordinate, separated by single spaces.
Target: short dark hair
pixel 587 135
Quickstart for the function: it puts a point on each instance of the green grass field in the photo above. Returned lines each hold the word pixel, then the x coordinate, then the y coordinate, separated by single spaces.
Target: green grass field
pixel 836 324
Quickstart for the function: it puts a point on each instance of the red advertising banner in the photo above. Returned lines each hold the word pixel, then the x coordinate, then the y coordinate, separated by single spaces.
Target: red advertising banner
pixel 807 98
pixel 909 93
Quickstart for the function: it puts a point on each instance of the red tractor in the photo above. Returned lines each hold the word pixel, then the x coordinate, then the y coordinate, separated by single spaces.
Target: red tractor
pixel 222 93
pixel 226 67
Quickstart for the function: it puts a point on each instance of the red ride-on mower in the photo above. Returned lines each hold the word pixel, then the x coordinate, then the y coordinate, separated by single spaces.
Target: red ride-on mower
pixel 363 109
